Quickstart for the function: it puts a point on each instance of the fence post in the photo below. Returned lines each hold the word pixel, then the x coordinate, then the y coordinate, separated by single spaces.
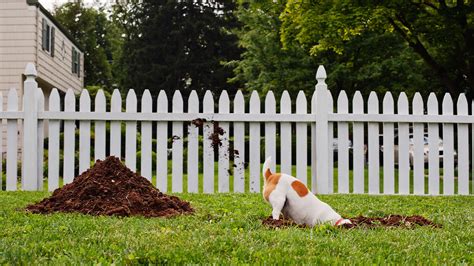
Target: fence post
pixel 30 130
pixel 322 136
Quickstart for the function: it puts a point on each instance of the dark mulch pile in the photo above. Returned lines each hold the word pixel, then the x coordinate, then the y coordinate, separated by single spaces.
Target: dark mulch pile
pixel 110 188
pixel 362 221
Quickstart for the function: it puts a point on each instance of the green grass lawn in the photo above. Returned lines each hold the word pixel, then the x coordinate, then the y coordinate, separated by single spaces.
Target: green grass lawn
pixel 226 228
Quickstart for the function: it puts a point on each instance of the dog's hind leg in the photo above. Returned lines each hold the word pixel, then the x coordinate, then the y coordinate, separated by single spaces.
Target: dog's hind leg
pixel 277 200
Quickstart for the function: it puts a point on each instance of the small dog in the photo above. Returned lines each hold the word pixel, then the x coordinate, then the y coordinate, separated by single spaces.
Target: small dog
pixel 291 197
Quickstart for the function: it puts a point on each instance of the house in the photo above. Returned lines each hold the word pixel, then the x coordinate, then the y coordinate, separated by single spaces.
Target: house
pixel 29 33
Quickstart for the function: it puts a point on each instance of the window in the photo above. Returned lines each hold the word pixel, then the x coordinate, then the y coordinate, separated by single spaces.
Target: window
pixel 48 37
pixel 76 62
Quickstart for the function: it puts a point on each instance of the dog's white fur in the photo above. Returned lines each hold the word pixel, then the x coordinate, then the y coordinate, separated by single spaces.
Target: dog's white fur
pixel 303 207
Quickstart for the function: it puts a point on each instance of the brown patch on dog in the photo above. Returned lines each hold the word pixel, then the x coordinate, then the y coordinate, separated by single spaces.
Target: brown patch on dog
pixel 272 182
pixel 300 188
pixel 268 173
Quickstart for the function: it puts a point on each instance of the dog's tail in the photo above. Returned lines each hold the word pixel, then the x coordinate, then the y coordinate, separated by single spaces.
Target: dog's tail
pixel 266 172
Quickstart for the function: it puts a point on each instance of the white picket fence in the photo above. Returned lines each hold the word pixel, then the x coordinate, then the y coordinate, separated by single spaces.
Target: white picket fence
pixel 313 134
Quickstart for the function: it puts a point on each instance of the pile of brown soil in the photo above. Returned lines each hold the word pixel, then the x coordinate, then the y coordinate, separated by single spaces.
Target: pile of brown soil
pixel 110 188
pixel 362 221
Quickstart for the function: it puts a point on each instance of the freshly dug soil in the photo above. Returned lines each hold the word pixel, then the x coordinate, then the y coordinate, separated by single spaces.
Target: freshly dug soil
pixel 362 221
pixel 110 188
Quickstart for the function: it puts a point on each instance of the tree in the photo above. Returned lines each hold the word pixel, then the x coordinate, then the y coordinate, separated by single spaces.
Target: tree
pixel 440 33
pixel 98 37
pixel 265 65
pixel 177 45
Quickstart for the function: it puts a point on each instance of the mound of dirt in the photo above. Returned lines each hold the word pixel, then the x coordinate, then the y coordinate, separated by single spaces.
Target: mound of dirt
pixel 362 221
pixel 110 188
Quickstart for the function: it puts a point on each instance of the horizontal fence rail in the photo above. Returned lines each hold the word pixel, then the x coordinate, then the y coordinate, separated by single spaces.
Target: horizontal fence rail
pixel 375 146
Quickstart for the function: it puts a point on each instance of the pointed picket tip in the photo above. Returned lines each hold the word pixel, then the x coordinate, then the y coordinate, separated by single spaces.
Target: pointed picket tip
pixel 70 100
pixel 402 104
pixel 432 104
pixel 54 100
pixel 146 94
pixel 131 94
pixel 12 100
pixel 321 74
pixel 447 104
pixel 239 102
pixel 162 102
pixel 84 95
pixel 301 103
pixel 270 98
pixel 301 96
pixel 193 96
pixel 462 104
pixel 100 101
pixel 40 95
pixel 418 105
pixel 373 103
pixel 254 102
pixel 116 95
pixel 224 97
pixel 388 98
pixel 285 96
pixel 177 98
pixel 208 96
pixel 30 70
pixel 358 103
pixel 342 102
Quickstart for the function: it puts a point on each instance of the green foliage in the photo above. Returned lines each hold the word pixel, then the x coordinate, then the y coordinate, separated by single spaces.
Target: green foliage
pixel 97 35
pixel 425 44
pixel 227 229
pixel 173 45
pixel 265 65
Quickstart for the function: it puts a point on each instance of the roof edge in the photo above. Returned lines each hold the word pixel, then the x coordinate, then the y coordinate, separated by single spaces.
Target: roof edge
pixel 56 22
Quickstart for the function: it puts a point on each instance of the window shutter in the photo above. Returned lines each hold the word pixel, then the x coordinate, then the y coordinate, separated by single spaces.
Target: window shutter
pixel 78 64
pixel 44 35
pixel 73 59
pixel 52 41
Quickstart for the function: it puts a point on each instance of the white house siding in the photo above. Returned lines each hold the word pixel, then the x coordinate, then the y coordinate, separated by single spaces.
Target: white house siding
pixel 17 43
pixel 57 69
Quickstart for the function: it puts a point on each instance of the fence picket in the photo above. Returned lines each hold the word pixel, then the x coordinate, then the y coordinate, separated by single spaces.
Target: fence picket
pixel 358 144
pixel 343 145
pixel 270 130
pixel 285 135
pixel 331 141
pixel 254 145
pixel 131 132
pixel 146 141
pixel 40 142
pixel 448 148
pixel 99 127
pixel 373 147
pixel 223 149
pixel 162 145
pixel 12 142
pixel 53 143
pixel 463 148
pixel 69 138
pixel 193 145
pixel 418 148
pixel 313 145
pixel 403 155
pixel 208 148
pixel 84 133
pixel 433 148
pixel 301 140
pixel 115 126
pixel 388 148
pixel 239 145
pixel 177 145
